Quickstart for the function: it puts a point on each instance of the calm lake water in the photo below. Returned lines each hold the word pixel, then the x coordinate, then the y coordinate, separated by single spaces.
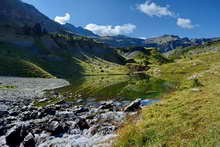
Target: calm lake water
pixel 123 87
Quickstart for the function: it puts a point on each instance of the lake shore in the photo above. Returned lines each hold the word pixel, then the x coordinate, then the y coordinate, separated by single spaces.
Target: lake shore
pixel 27 88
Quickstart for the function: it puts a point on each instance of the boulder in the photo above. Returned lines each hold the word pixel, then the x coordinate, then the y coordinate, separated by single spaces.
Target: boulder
pixel 66 115
pixel 16 135
pixel 14 113
pixel 2 130
pixel 133 106
pixel 24 108
pixel 57 128
pixel 81 110
pixel 105 130
pixel 3 110
pixel 29 141
pixel 107 105
pixel 79 101
pixel 27 101
pixel 43 100
pixel 101 130
pixel 81 123
pixel 28 115
pixel 49 111
pixel 3 113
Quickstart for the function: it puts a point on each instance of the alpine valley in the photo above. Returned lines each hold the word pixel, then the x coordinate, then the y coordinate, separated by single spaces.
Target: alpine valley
pixel 62 85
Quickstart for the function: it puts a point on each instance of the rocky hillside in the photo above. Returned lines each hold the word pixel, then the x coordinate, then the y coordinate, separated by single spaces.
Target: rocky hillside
pixel 164 43
pixel 59 54
pixel 143 55
pixel 15 12
pixel 79 30
pixel 41 47
pixel 212 46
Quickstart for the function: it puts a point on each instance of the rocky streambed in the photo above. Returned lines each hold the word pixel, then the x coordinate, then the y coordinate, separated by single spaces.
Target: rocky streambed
pixel 64 124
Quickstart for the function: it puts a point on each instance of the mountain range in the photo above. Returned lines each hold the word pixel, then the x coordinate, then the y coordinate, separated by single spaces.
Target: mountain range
pixel 163 43
pixel 18 13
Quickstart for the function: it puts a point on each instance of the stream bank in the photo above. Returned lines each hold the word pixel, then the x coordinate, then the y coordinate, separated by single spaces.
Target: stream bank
pixel 63 124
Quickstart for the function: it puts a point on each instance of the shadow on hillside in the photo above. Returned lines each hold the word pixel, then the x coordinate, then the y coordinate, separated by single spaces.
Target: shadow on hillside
pixel 56 64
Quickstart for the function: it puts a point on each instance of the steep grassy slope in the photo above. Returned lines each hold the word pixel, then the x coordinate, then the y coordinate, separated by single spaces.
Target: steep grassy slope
pixel 14 63
pixel 143 55
pixel 186 117
pixel 61 55
pixel 17 67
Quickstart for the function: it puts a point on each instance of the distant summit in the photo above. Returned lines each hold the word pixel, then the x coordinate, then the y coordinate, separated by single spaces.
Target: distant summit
pixel 162 39
pixel 79 30
pixel 163 43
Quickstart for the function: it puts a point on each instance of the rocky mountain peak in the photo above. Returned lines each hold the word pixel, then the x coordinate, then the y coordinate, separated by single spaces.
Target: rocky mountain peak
pixel 79 30
pixel 18 13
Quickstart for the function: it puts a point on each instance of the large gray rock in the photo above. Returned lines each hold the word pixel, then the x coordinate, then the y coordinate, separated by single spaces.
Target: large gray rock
pixel 29 141
pixel 3 113
pixel 107 105
pixel 57 128
pixel 133 106
pixel 81 110
pixel 3 110
pixel 28 115
pixel 81 123
pixel 49 111
pixel 16 135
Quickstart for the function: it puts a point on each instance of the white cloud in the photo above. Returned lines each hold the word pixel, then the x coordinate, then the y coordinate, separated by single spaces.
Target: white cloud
pixel 109 30
pixel 152 9
pixel 143 38
pixel 185 23
pixel 62 19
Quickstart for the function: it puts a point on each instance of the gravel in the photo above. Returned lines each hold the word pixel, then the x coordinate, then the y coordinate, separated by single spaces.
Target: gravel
pixel 28 88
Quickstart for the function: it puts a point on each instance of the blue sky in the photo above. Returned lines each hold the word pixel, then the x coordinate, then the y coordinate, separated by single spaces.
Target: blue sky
pixel 137 18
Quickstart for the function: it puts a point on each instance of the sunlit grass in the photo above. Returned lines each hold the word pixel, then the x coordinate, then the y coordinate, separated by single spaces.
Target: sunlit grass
pixel 187 117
